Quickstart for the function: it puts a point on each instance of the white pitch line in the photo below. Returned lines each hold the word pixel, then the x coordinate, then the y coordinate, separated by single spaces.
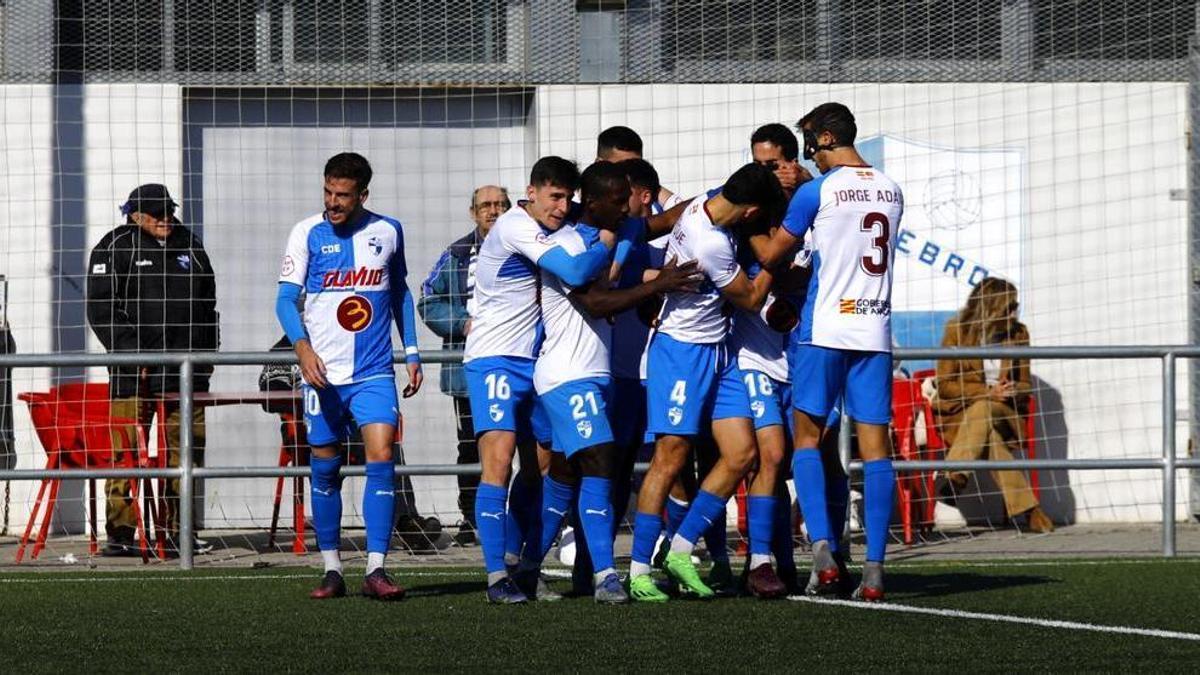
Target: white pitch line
pixel 1002 618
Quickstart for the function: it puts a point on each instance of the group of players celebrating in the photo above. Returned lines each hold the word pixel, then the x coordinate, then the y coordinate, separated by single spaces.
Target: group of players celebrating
pixel 742 320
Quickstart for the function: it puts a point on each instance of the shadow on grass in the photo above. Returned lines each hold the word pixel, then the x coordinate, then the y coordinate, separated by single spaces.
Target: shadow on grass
pixel 956 583
pixel 436 588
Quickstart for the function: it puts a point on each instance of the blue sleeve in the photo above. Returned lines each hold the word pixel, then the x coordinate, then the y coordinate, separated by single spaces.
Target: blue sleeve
pixel 575 270
pixel 633 231
pixel 802 210
pixel 402 311
pixel 402 302
pixel 287 312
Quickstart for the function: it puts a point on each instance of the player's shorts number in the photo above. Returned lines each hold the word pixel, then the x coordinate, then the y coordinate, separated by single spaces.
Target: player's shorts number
pixel 764 386
pixel 354 313
pixel 877 225
pixel 498 387
pixel 312 402
pixel 679 392
pixel 577 402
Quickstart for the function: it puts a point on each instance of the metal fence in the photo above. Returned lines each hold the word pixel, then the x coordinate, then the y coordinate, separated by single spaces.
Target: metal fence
pixel 1168 463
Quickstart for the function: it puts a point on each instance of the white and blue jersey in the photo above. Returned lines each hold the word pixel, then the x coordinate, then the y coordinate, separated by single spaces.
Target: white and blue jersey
pixel 845 337
pixel 354 280
pixel 687 358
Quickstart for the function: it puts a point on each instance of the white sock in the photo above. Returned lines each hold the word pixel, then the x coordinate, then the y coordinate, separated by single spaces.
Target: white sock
pixel 333 561
pixel 493 577
pixel 600 576
pixel 637 569
pixel 757 560
pixel 511 559
pixel 375 561
pixel 681 545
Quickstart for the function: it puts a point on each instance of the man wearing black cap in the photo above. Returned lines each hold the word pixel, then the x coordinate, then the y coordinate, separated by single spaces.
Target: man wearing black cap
pixel 150 288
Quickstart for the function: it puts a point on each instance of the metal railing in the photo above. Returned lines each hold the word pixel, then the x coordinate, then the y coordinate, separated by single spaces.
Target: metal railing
pixel 1167 463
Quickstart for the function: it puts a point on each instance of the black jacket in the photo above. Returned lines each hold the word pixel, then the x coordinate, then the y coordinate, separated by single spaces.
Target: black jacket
pixel 143 296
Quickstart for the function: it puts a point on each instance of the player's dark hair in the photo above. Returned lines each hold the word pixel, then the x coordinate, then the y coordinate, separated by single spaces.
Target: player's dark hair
pixel 833 117
pixel 556 171
pixel 756 185
pixel 600 179
pixel 778 135
pixel 618 138
pixel 350 165
pixel 641 174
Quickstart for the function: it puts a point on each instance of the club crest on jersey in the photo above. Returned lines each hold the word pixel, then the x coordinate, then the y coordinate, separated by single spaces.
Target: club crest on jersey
pixel 363 276
pixel 375 245
pixel 495 412
pixel 759 408
pixel 185 261
pixel 355 313
pixel 675 415
pixel 584 427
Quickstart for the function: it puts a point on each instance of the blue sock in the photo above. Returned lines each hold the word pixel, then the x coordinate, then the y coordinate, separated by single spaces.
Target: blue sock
pixel 491 518
pixel 706 510
pixel 556 504
pixel 646 528
pixel 837 496
pixel 782 543
pixel 716 537
pixel 379 505
pixel 809 476
pixel 676 512
pixel 879 485
pixel 326 495
pixel 761 519
pixel 523 500
pixel 596 514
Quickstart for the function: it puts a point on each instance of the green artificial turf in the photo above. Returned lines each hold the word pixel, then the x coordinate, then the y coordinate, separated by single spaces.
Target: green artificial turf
pixel 262 621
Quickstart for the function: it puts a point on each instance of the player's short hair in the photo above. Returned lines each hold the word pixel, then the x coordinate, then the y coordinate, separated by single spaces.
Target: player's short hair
pixel 756 185
pixel 600 179
pixel 556 171
pixel 618 138
pixel 350 165
pixel 833 117
pixel 641 174
pixel 778 135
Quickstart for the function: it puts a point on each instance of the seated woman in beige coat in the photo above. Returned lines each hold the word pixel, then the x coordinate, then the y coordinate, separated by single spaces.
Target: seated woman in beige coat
pixel 978 399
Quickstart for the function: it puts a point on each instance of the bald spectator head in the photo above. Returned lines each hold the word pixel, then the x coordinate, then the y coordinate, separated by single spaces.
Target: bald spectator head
pixel 487 203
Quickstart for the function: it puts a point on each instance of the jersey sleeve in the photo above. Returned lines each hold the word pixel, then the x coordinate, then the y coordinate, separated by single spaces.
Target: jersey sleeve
pixel 527 239
pixel 802 210
pixel 716 258
pixel 294 267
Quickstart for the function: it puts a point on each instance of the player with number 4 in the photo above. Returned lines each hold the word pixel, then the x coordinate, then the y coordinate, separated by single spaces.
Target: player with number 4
pixel 853 211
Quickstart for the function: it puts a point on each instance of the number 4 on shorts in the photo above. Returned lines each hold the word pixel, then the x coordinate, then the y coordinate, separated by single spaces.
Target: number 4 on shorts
pixel 679 392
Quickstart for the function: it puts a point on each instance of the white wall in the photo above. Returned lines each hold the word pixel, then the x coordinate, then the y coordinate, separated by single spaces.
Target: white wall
pixel 26 170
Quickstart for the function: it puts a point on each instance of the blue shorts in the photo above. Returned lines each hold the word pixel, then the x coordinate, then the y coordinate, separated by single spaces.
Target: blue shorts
pixel 330 414
pixel 627 410
pixel 501 393
pixel 753 395
pixel 863 378
pixel 681 385
pixel 539 425
pixel 578 414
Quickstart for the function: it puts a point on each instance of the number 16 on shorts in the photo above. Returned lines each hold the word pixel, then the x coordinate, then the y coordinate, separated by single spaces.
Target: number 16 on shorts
pixel 497 386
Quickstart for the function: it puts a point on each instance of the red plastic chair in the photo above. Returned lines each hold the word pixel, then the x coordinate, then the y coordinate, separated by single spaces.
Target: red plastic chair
pixel 906 403
pixel 75 427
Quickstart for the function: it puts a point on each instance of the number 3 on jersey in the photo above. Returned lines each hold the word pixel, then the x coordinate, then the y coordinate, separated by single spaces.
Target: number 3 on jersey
pixel 497 387
pixel 878 226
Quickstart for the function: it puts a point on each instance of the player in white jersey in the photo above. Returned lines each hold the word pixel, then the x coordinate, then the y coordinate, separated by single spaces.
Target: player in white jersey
pixel 853 212
pixel 349 262
pixel 504 339
pixel 572 379
pixel 686 358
